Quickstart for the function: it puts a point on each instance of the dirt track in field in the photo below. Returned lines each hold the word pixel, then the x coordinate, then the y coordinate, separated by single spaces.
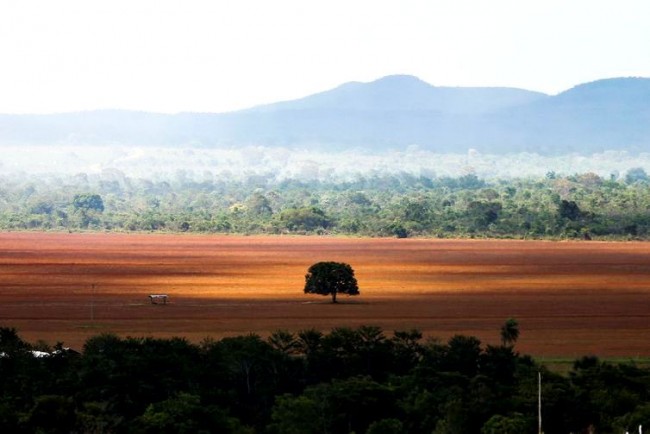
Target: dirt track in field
pixel 571 298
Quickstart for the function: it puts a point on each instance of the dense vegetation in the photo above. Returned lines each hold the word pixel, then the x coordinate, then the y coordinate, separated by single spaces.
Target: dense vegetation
pixel 348 380
pixel 577 206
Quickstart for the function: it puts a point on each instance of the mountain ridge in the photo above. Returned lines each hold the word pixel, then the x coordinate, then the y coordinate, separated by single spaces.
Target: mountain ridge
pixel 404 92
pixel 389 113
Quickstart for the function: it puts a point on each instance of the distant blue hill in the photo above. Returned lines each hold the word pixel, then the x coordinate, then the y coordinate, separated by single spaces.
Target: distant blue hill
pixel 390 113
pixel 408 93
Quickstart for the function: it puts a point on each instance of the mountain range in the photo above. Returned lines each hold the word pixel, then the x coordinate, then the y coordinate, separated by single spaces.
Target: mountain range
pixel 390 113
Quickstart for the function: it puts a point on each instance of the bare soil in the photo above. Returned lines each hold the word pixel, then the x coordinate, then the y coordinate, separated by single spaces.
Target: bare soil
pixel 570 298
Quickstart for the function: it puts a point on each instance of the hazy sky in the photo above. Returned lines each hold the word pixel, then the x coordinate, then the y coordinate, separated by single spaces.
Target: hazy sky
pixel 221 55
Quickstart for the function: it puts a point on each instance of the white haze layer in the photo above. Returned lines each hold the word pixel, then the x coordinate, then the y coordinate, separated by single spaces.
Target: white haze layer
pixel 279 164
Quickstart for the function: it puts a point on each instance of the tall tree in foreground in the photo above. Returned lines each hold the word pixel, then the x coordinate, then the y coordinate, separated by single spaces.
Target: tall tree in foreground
pixel 331 278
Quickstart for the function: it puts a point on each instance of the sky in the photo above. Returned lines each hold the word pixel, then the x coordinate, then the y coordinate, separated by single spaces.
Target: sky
pixel 224 55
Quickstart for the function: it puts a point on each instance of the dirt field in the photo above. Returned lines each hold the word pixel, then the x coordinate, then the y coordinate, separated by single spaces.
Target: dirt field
pixel 571 298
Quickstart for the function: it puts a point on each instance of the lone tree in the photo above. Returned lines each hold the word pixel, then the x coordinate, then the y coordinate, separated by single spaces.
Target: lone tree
pixel 331 278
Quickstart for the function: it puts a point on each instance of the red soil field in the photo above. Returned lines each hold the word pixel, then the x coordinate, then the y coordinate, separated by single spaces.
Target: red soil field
pixel 570 298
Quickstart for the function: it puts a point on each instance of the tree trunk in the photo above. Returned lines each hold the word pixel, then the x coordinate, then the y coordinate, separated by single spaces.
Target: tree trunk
pixel 333 296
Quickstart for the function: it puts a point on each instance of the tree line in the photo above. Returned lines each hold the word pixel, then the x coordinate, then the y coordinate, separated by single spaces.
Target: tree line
pixel 582 206
pixel 345 381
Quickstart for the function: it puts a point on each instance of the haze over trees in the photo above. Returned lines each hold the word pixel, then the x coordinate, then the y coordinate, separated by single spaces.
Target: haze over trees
pixel 346 149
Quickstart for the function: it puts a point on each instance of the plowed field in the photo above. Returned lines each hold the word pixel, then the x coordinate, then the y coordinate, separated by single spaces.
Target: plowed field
pixel 571 298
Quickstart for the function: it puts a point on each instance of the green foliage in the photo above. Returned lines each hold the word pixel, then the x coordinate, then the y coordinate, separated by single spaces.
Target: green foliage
pixel 636 174
pixel 513 424
pixel 632 420
pixel 297 415
pixel 569 210
pixel 482 214
pixel 88 202
pixel 284 341
pixel 258 205
pixel 184 414
pixel 401 205
pixel 346 380
pixel 331 278
pixel 398 230
pixel 303 219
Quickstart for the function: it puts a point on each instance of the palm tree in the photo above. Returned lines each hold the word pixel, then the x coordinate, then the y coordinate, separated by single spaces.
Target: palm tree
pixel 509 332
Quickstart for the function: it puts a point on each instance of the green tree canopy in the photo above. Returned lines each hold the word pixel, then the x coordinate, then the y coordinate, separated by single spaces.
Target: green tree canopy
pixel 636 174
pixel 87 201
pixel 331 278
pixel 304 219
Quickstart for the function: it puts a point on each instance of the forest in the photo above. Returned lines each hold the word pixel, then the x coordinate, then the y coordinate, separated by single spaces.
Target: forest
pixel 579 206
pixel 344 381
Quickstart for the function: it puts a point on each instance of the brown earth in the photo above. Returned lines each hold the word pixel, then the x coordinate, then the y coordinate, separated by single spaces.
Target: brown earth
pixel 570 298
